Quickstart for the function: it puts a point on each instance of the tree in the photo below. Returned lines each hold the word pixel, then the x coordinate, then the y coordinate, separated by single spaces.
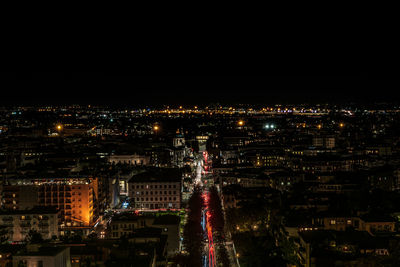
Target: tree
pixel 222 255
pixel 214 204
pixel 34 237
pixel 288 250
pixel 3 234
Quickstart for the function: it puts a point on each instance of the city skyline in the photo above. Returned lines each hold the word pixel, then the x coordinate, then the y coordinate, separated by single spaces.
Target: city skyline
pixel 112 169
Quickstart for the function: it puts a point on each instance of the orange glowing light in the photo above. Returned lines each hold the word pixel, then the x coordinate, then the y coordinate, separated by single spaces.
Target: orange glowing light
pixel 241 123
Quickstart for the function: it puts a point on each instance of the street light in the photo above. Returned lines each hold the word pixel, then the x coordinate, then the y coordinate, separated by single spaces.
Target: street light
pixel 59 127
pixel 240 123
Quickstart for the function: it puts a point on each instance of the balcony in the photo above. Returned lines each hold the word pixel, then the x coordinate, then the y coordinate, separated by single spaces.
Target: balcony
pixel 8 219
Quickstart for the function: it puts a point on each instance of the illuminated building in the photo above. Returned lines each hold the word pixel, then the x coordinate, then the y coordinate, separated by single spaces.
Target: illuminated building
pixel 73 197
pixel 324 141
pixel 129 159
pixel 18 223
pixel 43 256
pixel 156 189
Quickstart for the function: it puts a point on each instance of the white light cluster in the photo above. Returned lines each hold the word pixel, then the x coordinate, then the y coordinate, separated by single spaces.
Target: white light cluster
pixel 269 126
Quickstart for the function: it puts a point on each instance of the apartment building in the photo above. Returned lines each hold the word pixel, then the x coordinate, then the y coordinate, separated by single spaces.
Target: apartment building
pixel 158 188
pixel 73 197
pixel 18 223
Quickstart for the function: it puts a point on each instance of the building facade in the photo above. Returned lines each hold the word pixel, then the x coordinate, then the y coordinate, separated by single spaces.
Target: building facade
pixel 73 197
pixel 18 223
pixel 159 189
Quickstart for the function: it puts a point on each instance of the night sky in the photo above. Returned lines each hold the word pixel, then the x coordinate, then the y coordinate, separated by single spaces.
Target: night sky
pixel 127 88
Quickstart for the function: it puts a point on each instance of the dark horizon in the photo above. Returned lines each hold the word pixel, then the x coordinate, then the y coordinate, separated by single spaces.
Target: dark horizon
pixel 126 89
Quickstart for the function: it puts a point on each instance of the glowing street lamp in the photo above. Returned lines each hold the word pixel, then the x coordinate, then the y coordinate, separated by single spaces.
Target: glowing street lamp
pixel 240 123
pixel 156 128
pixel 59 127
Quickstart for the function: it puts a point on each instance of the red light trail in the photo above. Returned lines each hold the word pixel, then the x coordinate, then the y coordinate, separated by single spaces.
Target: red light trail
pixel 211 249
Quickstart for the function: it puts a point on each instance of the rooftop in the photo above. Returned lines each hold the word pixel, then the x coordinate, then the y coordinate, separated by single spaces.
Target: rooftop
pixel 34 210
pixel 42 251
pixel 158 175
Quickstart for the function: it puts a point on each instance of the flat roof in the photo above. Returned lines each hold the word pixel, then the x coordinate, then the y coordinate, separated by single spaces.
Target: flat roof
pixel 158 175
pixel 34 210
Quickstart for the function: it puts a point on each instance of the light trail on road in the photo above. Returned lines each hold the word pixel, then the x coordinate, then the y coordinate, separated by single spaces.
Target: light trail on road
pixel 211 248
pixel 206 214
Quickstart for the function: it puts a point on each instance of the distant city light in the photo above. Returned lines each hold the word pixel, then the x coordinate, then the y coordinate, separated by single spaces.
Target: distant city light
pixel 241 123
pixel 59 127
pixel 156 128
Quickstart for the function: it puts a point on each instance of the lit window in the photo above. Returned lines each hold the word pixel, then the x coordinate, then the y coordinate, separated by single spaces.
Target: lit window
pixel 333 221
